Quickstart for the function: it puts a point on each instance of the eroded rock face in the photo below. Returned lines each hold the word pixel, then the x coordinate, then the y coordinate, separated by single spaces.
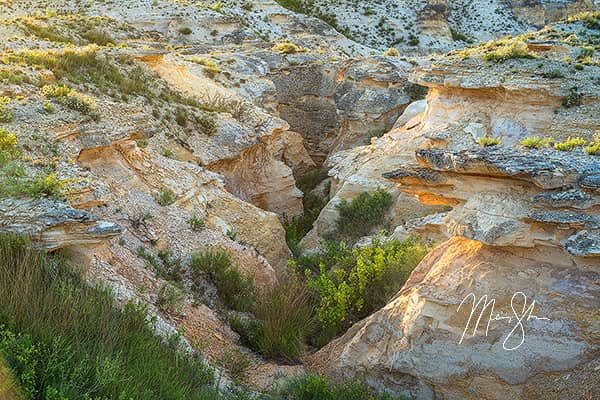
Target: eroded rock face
pixel 335 106
pixel 522 223
pixel 52 225
pixel 412 345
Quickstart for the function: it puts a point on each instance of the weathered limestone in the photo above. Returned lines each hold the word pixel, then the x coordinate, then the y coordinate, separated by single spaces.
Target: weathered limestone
pixel 52 225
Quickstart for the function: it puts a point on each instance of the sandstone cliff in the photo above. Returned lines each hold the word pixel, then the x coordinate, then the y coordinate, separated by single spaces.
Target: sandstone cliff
pixel 523 221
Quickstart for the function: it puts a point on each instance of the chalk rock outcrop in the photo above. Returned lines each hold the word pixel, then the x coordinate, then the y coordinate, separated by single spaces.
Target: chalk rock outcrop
pixel 53 224
pixel 523 230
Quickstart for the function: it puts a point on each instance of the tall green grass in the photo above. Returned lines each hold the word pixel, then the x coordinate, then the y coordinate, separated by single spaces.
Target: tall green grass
pixel 65 340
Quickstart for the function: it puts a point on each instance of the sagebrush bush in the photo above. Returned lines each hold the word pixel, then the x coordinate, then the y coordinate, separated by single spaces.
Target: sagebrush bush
pixel 360 216
pixel 63 339
pixel 235 290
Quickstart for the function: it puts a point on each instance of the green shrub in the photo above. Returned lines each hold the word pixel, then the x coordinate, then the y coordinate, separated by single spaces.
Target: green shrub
pixel 297 227
pixel 391 52
pixel 553 74
pixel 185 30
pixel 352 284
pixel 8 144
pixel 288 47
pixel 487 141
pixel 573 99
pixel 70 98
pixel 507 49
pixel 208 124
pixel 536 142
pixel 48 107
pixel 64 339
pixel 6 114
pixel 570 144
pixel 165 197
pixel 358 217
pixel 315 387
pixel 235 290
pixel 97 36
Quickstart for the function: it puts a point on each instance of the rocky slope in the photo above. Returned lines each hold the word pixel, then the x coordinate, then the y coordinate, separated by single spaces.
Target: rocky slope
pixel 434 24
pixel 524 222
pixel 184 127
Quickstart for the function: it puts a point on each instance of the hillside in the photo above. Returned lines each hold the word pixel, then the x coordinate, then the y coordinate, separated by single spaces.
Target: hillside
pixel 255 200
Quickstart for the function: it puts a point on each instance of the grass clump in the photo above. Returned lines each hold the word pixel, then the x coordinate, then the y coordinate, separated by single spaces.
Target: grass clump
pixel 235 290
pixel 358 217
pixel 351 284
pixel 70 98
pixel 185 30
pixel 6 114
pixel 315 387
pixel 288 47
pixel 284 314
pixel 98 36
pixel 165 197
pixel 208 123
pixel 536 142
pixel 506 49
pixel 196 223
pixel 63 339
pixel 210 67
pixel 570 144
pixel 487 141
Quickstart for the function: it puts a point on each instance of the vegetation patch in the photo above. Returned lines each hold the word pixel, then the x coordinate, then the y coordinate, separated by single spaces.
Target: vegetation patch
pixel 536 142
pixel 235 290
pixel 71 98
pixel 6 115
pixel 350 284
pixel 570 144
pixel 17 181
pixel 288 47
pixel 63 339
pixel 360 216
pixel 503 50
pixel 487 141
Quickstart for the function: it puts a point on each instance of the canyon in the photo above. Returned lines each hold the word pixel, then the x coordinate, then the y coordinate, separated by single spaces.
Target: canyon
pixel 207 118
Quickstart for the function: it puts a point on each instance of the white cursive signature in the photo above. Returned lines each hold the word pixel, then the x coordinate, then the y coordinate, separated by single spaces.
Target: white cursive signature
pixel 525 314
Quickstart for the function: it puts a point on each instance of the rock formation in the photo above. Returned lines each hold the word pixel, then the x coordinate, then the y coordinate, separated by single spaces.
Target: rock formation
pixel 523 231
